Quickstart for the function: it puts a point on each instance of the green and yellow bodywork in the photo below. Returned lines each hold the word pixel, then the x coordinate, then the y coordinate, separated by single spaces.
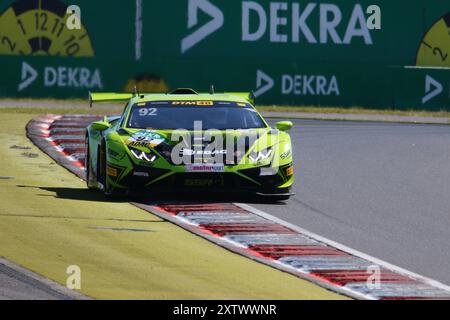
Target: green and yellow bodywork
pixel 112 164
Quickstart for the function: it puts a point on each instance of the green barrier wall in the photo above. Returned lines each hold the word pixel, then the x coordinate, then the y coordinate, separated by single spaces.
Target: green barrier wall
pixel 288 52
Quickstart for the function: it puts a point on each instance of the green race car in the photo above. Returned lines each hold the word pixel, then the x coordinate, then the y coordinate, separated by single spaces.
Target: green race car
pixel 188 141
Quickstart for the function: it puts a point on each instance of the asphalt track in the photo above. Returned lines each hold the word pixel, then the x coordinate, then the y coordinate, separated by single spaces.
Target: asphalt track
pixel 380 188
pixel 17 283
pixel 17 286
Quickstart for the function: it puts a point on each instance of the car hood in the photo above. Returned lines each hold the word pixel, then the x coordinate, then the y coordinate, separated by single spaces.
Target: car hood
pixel 163 141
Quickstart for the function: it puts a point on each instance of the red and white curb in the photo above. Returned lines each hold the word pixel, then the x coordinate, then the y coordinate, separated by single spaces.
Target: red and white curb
pixel 253 233
pixel 62 138
pixel 262 237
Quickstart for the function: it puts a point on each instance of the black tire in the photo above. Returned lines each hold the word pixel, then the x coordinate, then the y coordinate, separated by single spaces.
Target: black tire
pixel 87 164
pixel 102 174
pixel 101 166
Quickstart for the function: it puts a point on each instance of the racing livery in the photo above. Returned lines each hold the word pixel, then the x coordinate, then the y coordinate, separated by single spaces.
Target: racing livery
pixel 184 140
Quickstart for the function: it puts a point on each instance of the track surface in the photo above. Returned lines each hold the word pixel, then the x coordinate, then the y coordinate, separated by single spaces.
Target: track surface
pixel 382 189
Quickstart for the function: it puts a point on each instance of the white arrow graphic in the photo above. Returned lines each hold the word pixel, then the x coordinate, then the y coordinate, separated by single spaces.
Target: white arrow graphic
pixel 216 23
pixel 27 77
pixel 432 89
pixel 263 83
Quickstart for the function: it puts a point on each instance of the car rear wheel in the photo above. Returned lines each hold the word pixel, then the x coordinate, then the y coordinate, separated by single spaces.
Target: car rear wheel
pixel 102 173
pixel 87 165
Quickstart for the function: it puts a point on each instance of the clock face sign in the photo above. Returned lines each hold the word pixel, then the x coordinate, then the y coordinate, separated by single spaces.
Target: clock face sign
pixel 434 50
pixel 38 27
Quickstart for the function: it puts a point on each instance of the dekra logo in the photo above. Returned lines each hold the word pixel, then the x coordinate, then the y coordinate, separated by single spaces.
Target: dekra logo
pixel 282 22
pixel 61 77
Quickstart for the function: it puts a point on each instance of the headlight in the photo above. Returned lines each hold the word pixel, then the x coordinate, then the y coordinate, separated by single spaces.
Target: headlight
pixel 260 155
pixel 142 155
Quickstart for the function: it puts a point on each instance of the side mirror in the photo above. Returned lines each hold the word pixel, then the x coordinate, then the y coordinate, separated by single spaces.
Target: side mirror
pixel 100 125
pixel 284 125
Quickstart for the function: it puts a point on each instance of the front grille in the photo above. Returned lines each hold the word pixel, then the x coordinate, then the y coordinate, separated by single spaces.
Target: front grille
pixel 202 180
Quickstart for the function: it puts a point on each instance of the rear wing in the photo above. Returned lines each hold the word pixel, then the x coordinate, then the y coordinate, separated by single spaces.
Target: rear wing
pixel 108 97
pixel 117 97
pixel 249 96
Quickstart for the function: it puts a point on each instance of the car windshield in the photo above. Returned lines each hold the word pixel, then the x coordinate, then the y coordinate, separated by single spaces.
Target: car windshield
pixel 173 115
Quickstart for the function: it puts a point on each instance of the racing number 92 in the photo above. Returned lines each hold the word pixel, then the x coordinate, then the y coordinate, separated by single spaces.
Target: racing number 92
pixel 143 112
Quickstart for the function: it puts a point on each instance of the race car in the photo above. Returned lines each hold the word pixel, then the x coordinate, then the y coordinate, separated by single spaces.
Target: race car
pixel 188 141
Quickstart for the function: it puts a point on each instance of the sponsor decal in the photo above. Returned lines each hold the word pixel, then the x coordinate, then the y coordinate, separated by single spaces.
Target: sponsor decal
pixel 287 22
pixel 145 138
pixel 76 77
pixel 140 174
pixel 312 23
pixel 216 167
pixel 61 77
pixel 190 152
pixel 286 154
pixel 298 84
pixel 199 182
pixel 312 85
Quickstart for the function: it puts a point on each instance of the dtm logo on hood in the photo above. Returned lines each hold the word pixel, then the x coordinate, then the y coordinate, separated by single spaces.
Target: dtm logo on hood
pixel 60 77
